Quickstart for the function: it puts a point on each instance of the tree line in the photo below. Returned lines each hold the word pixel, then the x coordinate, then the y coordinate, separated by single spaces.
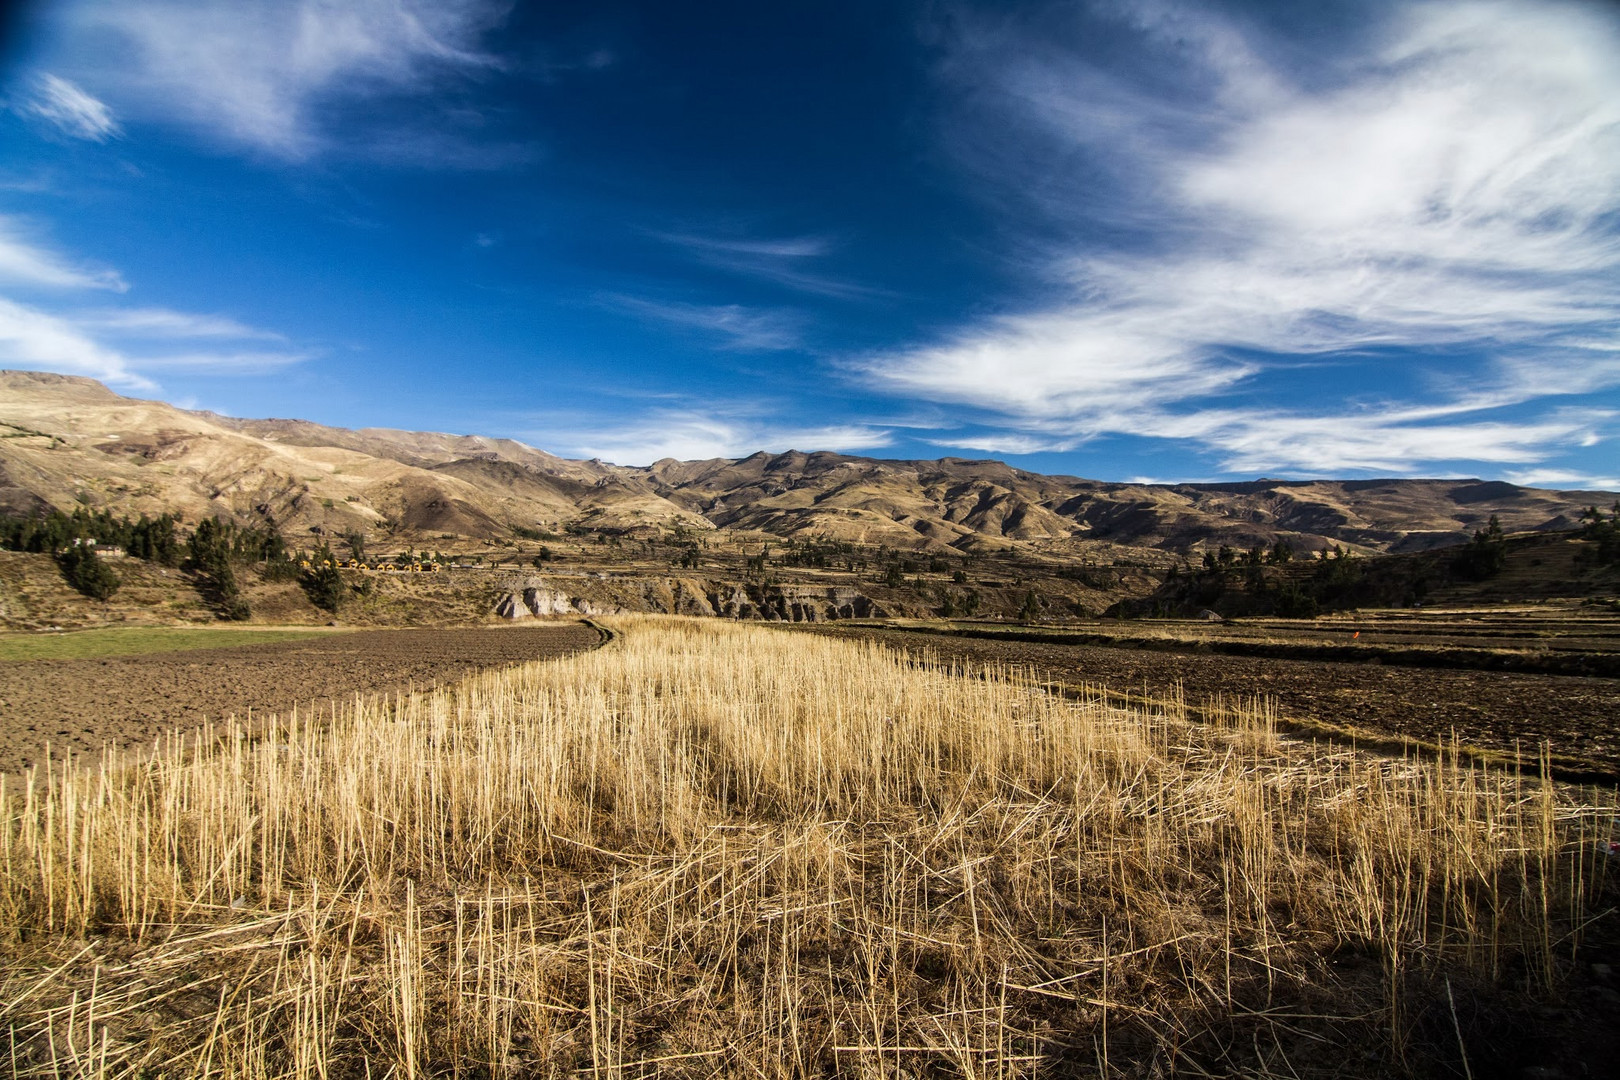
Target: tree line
pixel 71 539
pixel 215 550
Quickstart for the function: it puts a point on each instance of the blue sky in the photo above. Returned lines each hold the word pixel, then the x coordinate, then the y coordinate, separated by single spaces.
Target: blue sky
pixel 1122 239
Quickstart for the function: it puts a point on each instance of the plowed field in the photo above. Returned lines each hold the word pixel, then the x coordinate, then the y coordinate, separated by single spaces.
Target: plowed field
pixel 83 705
pixel 1579 717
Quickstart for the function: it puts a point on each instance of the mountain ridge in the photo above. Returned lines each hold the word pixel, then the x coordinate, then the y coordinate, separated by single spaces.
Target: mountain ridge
pixel 69 440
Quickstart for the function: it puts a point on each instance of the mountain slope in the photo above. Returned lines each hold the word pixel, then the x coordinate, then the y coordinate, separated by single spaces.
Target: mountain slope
pixel 66 440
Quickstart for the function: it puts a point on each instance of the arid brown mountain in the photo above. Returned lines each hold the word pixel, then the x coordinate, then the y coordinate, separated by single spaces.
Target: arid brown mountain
pixel 66 440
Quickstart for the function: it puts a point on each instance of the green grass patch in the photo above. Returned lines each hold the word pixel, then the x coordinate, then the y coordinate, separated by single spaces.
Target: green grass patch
pixel 136 640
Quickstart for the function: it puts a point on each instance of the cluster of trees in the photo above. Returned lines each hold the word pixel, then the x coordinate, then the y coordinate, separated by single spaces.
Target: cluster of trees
pixel 1483 557
pixel 819 553
pixel 896 567
pixel 86 572
pixel 147 538
pixel 214 550
pixel 323 582
pixel 1278 554
pixel 1605 531
pixel 72 539
pixel 218 546
pixel 952 604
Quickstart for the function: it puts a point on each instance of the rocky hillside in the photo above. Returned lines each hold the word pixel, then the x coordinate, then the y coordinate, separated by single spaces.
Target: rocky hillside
pixel 66 441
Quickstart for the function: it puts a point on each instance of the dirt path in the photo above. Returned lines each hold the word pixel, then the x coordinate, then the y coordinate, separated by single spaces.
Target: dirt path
pixel 1578 716
pixel 128 700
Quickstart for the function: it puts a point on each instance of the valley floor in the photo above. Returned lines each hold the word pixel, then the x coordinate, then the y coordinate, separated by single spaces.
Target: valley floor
pixel 721 849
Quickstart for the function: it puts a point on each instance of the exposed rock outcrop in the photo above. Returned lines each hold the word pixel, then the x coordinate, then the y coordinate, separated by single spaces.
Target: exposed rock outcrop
pixel 521 598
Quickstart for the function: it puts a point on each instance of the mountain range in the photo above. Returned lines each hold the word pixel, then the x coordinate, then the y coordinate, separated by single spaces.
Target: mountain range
pixel 67 441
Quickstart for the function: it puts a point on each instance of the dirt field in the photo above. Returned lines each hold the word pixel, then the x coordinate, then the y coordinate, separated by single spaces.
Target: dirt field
pixel 83 704
pixel 1579 717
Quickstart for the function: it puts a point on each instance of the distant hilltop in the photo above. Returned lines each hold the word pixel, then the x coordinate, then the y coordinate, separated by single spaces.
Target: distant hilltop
pixel 70 441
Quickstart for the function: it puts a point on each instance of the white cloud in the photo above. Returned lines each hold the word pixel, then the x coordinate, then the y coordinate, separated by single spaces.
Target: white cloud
pixel 1453 187
pixel 223 363
pixel 71 110
pixel 690 435
pixel 787 261
pixel 1381 441
pixel 790 247
pixel 41 340
pixel 25 263
pixel 736 327
pixel 1563 479
pixel 1059 365
pixel 258 72
pixel 38 341
pixel 168 324
pixel 1010 443
pixel 97 341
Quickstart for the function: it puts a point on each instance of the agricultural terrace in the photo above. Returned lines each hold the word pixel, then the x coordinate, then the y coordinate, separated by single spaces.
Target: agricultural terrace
pixel 717 849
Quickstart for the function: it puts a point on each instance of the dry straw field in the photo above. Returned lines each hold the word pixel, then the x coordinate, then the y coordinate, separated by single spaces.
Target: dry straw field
pixel 717 849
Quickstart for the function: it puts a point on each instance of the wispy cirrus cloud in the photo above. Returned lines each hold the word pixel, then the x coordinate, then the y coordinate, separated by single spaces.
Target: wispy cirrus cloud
pixel 1443 193
pixel 730 430
pixel 1003 443
pixel 70 110
pixel 26 261
pixel 789 261
pixel 1564 479
pixel 1385 441
pixel 733 326
pixel 122 346
pixel 37 340
pixel 223 362
pixel 169 324
pixel 270 75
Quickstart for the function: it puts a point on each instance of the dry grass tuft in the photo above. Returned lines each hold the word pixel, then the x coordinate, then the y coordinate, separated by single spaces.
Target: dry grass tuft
pixel 717 849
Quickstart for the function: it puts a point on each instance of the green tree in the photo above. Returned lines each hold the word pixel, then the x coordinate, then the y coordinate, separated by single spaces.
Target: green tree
pixel 323 581
pixel 1294 603
pixel 1604 532
pixel 1031 609
pixel 86 572
pixel 211 547
pixel 1483 557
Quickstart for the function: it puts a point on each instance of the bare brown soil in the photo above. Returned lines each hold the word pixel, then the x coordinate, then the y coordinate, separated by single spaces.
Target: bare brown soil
pixel 85 705
pixel 1578 717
